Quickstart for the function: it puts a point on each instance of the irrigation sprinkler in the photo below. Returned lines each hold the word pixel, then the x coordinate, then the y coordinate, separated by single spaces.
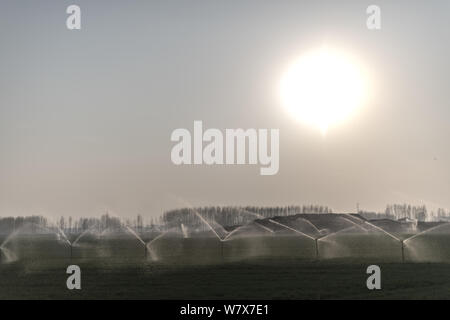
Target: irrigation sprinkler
pixel 329 235
pixel 147 245
pixel 315 239
pixel 222 240
pixel 420 234
pixel 208 224
pixel 402 241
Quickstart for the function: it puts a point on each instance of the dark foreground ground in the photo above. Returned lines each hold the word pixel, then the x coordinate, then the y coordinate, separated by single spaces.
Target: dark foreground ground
pixel 252 279
pixel 282 268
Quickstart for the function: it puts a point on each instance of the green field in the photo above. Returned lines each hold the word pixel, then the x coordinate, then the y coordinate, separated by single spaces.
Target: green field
pixel 272 267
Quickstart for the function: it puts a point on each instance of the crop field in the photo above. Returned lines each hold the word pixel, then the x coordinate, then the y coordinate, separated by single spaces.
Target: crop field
pixel 201 267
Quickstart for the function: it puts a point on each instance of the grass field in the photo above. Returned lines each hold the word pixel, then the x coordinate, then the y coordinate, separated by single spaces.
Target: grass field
pixel 281 267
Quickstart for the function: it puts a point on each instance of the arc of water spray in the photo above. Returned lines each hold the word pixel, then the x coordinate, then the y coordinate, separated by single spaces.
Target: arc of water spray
pixel 247 224
pixel 292 229
pixel 317 239
pixel 299 232
pixel 184 231
pixel 264 227
pixel 190 207
pixel 82 235
pixel 17 231
pixel 355 224
pixel 238 228
pixel 157 237
pixel 134 233
pixel 252 213
pixel 9 237
pixel 61 232
pixel 310 223
pixel 335 233
pixel 233 232
pixel 148 245
pixel 379 229
pixel 257 215
pixel 402 242
pixel 207 223
pixel 149 248
pixel 8 254
pixel 425 231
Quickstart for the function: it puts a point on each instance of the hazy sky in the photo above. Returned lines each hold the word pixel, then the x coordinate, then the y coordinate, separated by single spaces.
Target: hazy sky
pixel 86 116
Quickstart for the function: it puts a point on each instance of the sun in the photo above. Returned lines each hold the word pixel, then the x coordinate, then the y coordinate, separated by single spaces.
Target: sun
pixel 324 87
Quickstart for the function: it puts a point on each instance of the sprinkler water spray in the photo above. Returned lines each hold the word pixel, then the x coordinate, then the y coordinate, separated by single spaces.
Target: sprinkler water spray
pixel 403 250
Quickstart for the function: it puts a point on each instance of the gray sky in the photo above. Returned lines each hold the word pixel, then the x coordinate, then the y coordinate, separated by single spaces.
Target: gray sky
pixel 86 116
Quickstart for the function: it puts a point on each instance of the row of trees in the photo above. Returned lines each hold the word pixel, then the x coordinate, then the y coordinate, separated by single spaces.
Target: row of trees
pixel 10 224
pixel 40 224
pixel 199 218
pixel 106 221
pixel 401 211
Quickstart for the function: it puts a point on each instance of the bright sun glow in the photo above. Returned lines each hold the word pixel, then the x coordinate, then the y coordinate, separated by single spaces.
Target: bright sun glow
pixel 323 88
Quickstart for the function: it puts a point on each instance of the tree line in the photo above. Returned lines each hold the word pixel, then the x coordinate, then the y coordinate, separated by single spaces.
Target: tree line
pixel 199 218
pixel 231 216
